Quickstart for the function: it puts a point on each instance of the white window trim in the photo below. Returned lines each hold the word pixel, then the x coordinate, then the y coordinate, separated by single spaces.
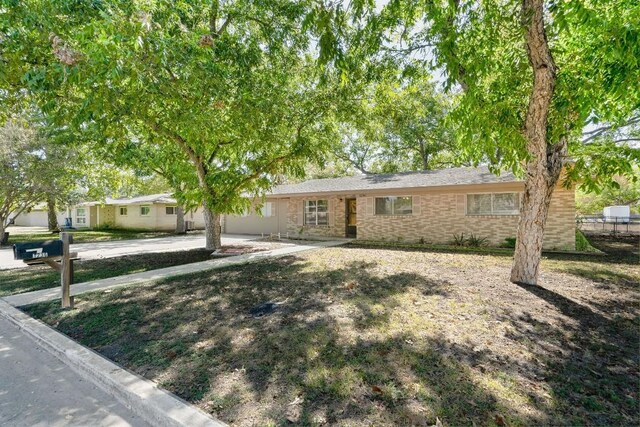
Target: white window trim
pixel 466 203
pixel 174 210
pixel 392 214
pixel 82 217
pixel 120 210
pixel 304 212
pixel 145 206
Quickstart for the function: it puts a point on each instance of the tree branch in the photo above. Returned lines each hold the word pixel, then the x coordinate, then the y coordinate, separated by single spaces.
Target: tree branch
pixel 593 134
pixel 179 140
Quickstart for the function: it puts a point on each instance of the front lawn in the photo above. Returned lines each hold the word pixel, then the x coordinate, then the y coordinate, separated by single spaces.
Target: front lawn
pixel 34 278
pixel 86 236
pixel 366 336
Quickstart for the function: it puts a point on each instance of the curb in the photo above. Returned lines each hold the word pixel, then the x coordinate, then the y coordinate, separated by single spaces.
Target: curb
pixel 153 405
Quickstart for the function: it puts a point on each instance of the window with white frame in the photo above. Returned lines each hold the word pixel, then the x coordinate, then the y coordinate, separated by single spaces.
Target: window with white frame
pixel 394 205
pixel 267 210
pixel 123 210
pixel 316 212
pixel 493 204
pixel 170 210
pixel 81 216
pixel 145 210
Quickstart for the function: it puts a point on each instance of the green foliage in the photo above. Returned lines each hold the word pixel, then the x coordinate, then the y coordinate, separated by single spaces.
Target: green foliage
pixel 219 98
pixel 475 241
pixel 623 191
pixel 459 240
pixel 582 243
pixel 479 47
pixel 22 164
pixel 509 242
pixel 399 125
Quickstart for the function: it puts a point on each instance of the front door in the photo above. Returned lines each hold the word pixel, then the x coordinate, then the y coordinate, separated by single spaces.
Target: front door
pixel 352 217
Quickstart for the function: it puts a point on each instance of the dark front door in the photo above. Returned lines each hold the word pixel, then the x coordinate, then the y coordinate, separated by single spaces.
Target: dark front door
pixel 352 217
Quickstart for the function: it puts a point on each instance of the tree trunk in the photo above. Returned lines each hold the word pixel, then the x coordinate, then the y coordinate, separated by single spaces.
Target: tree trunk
pixel 2 228
pixel 545 162
pixel 213 239
pixel 180 228
pixel 52 218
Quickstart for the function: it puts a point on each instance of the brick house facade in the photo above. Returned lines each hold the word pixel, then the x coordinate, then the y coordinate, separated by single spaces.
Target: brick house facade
pixel 436 206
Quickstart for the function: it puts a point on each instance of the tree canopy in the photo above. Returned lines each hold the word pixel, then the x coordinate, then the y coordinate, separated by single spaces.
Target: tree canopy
pixel 228 89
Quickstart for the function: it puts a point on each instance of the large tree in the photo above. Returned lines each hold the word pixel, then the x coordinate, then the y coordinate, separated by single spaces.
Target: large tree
pixel 227 84
pixel 398 124
pixel 531 76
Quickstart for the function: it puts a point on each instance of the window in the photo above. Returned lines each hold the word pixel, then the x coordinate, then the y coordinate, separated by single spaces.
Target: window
pixel 267 209
pixel 145 210
pixel 123 211
pixel 493 204
pixel 170 210
pixel 394 205
pixel 81 216
pixel 316 212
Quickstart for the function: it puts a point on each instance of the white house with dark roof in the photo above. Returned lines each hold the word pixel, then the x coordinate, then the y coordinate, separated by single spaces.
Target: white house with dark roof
pixel 428 206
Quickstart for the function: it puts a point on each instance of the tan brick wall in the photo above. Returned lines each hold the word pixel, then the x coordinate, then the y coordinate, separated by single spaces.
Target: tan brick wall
pixel 437 216
pixel 337 213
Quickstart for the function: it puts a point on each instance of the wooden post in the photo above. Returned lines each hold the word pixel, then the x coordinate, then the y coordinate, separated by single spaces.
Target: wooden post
pixel 66 271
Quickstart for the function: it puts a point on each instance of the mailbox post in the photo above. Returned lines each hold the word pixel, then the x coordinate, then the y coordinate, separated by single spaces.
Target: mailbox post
pixel 54 253
pixel 66 271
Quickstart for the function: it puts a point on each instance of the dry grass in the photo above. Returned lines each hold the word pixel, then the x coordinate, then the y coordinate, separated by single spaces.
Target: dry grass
pixel 381 337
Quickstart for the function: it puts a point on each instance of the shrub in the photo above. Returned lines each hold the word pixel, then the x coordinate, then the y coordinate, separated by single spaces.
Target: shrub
pixel 476 241
pixel 458 240
pixel 509 242
pixel 582 243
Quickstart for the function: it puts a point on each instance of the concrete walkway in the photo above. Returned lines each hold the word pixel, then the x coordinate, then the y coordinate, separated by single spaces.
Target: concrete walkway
pixel 36 389
pixel 116 248
pixel 164 273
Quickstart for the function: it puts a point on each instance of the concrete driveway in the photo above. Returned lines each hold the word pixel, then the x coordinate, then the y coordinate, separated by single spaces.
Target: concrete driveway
pixel 118 248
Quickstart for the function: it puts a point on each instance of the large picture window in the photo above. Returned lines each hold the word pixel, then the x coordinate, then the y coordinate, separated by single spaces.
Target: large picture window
pixel 394 205
pixel 493 204
pixel 316 212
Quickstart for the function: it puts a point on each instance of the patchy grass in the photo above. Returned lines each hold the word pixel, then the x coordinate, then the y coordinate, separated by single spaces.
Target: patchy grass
pixel 367 336
pixel 86 236
pixel 19 280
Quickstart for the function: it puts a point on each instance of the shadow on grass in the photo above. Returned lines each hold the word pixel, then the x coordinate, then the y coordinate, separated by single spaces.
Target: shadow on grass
pixel 316 362
pixel 196 338
pixel 590 360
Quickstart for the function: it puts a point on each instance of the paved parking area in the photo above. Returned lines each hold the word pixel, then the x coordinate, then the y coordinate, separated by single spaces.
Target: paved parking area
pixel 130 247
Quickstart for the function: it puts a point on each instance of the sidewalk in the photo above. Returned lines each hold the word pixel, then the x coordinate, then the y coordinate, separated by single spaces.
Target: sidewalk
pixel 36 389
pixel 164 273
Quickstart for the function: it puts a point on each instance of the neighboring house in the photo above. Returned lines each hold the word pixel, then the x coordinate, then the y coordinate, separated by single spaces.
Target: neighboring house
pixel 37 217
pixel 427 206
pixel 153 212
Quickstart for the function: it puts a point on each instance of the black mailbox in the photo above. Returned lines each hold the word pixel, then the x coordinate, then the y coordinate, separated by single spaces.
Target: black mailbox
pixel 35 250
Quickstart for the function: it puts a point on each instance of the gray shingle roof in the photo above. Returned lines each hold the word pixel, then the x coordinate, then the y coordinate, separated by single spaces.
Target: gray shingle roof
pixel 436 178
